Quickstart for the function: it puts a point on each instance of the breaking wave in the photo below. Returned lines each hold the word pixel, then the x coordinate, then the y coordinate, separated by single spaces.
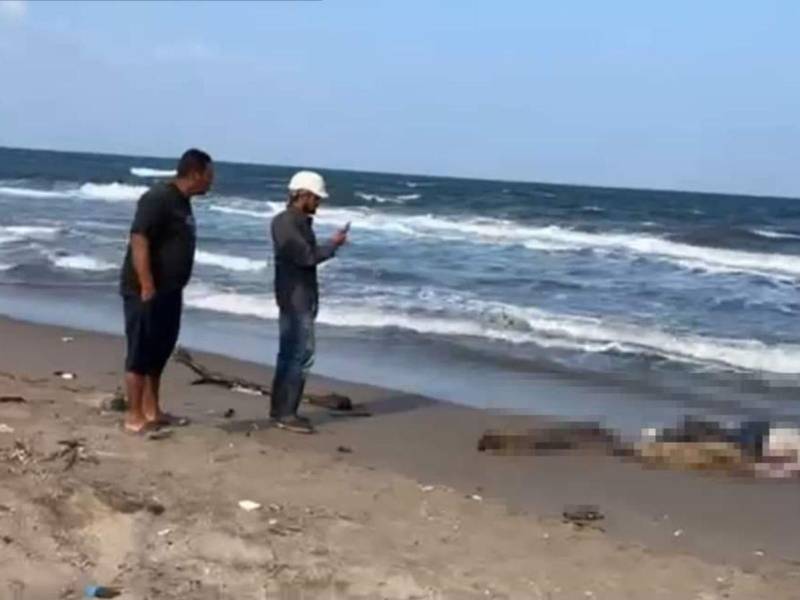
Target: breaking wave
pixel 229 262
pixel 148 172
pixel 520 325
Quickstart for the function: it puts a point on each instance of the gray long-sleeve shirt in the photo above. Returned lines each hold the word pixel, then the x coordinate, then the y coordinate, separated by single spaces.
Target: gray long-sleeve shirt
pixel 296 258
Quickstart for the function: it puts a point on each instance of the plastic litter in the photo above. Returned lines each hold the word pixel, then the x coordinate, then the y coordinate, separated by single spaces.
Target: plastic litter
pixel 101 591
pixel 249 505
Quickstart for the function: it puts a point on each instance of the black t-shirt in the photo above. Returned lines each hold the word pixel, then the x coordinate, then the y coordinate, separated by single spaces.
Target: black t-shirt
pixel 164 216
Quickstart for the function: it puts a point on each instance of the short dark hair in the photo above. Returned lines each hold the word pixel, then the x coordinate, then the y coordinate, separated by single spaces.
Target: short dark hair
pixel 193 161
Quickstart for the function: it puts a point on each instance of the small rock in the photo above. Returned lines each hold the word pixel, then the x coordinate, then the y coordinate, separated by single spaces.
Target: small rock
pixel 427 488
pixel 476 497
pixel 155 508
pixel 344 450
pixel 67 339
pixel 7 539
pixel 272 522
pixel 582 514
pixel 65 375
pixel 229 413
pixel 6 428
pixel 678 532
pixel 759 553
pixel 164 532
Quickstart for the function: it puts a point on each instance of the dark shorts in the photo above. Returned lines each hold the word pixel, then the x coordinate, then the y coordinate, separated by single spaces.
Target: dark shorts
pixel 151 331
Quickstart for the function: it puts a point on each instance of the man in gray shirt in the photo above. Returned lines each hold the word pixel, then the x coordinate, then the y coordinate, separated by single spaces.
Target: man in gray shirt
pixel 296 255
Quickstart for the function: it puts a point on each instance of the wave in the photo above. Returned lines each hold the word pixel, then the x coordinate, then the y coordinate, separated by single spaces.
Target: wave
pixel 775 235
pixel 6 267
pixel 231 210
pixel 14 233
pixel 398 199
pixel 148 172
pixel 32 193
pixel 521 325
pixel 111 191
pixel 88 191
pixel 81 262
pixel 551 238
pixel 231 263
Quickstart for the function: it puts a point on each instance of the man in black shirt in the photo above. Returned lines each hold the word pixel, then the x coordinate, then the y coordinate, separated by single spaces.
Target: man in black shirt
pixel 297 293
pixel 157 267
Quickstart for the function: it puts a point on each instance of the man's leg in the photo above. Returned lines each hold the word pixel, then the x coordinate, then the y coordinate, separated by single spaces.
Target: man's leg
pixel 279 405
pixel 165 328
pixel 150 400
pixel 135 419
pixel 306 346
pixel 135 363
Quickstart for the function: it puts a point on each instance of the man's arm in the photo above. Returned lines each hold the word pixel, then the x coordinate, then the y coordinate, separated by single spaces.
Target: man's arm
pixel 146 224
pixel 291 244
pixel 140 256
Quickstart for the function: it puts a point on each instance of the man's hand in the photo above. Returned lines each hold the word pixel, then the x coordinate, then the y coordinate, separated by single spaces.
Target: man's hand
pixel 147 293
pixel 339 238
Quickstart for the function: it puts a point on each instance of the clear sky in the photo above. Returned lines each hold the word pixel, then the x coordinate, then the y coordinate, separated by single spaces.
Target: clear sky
pixel 684 94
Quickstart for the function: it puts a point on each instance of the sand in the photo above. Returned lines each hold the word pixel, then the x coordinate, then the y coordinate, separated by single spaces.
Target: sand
pixel 399 505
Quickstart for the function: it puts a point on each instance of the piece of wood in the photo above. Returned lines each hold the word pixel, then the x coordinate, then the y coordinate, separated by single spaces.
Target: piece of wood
pixel 333 402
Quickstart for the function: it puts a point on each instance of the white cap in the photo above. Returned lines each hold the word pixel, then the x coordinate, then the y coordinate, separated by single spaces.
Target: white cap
pixel 309 182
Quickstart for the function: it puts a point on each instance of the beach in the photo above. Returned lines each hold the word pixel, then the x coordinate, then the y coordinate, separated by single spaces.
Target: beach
pixel 399 504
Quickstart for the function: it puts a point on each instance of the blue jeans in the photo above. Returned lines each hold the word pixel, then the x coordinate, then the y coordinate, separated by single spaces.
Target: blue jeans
pixel 295 359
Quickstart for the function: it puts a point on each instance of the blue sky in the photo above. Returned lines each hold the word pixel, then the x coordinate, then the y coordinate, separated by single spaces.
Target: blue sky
pixel 679 95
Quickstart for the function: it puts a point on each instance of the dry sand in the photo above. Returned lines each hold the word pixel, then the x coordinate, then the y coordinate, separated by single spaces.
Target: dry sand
pixel 412 512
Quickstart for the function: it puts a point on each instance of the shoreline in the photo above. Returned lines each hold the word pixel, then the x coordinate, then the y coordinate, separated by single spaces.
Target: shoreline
pixel 434 442
pixel 413 366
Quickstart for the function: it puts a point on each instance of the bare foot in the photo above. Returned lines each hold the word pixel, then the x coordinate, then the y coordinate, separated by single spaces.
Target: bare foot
pixel 136 423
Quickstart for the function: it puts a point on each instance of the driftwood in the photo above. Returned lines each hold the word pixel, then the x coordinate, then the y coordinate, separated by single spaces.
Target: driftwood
pixel 333 402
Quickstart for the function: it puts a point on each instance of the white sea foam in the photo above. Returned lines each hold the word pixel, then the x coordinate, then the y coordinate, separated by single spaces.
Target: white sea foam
pixel 775 235
pixel 458 316
pixel 232 210
pixel 6 267
pixel 22 192
pixel 148 172
pixel 112 192
pixel 550 238
pixel 18 232
pixel 81 262
pixel 229 262
pixel 397 199
pixel 88 191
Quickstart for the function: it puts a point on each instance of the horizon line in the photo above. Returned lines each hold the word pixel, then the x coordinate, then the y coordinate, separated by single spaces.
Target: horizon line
pixel 429 176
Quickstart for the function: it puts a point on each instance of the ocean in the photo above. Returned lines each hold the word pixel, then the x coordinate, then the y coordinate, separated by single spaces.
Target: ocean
pixel 632 306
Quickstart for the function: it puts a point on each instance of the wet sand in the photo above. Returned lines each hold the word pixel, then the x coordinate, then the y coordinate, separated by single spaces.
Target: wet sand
pixel 354 524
